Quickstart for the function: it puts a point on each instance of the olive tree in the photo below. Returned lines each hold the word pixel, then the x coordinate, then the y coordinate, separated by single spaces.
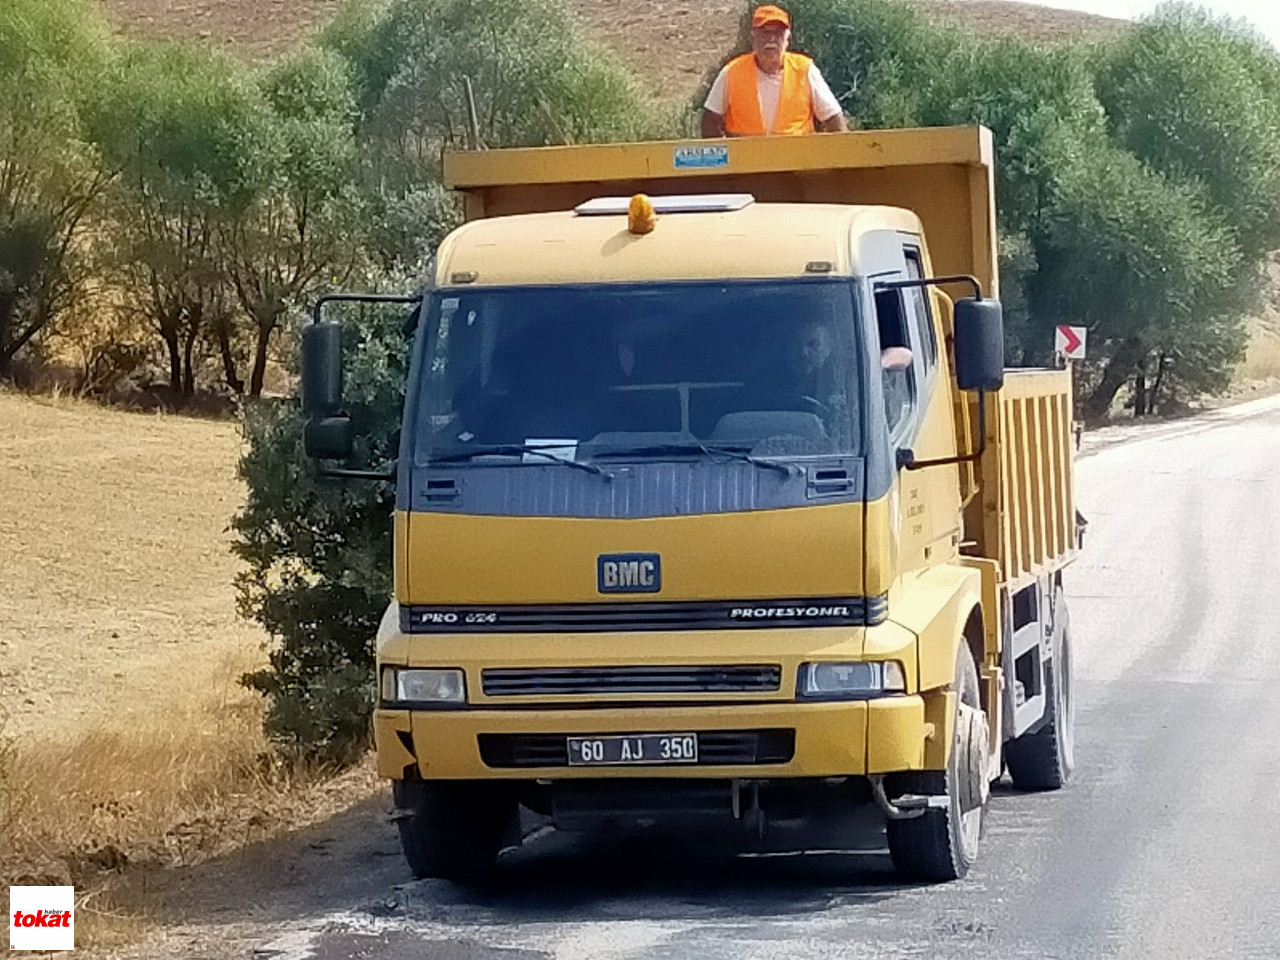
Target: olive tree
pixel 50 50
pixel 177 126
pixel 1148 265
pixel 296 226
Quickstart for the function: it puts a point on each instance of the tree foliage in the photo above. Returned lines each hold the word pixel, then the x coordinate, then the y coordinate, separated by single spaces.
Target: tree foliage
pixel 298 224
pixel 1198 98
pixel 1144 262
pixel 533 78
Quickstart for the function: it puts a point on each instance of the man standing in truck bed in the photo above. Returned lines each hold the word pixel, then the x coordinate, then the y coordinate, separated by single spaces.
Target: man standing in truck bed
pixel 770 90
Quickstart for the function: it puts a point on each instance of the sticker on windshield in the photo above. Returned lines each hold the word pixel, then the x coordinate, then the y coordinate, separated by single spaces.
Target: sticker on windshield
pixel 560 449
pixel 698 158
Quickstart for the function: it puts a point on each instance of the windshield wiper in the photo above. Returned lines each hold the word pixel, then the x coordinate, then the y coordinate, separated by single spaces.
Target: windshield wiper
pixel 678 449
pixel 515 449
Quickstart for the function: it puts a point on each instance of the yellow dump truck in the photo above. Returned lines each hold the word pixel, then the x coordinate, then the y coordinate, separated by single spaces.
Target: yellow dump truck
pixel 715 506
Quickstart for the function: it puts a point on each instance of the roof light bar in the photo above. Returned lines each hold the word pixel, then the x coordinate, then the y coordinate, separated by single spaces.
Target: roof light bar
pixel 688 203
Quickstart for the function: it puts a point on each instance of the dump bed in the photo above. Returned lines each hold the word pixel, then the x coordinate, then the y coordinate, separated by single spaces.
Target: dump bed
pixel 942 174
pixel 1024 513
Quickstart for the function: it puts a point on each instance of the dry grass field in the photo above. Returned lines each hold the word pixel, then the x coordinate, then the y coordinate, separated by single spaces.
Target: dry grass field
pixel 255 28
pixel 115 560
pixel 119 640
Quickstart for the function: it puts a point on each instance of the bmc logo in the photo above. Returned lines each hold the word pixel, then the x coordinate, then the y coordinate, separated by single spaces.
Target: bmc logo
pixel 629 573
pixel 42 918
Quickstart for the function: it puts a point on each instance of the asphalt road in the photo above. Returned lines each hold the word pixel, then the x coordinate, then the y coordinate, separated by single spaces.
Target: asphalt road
pixel 1166 844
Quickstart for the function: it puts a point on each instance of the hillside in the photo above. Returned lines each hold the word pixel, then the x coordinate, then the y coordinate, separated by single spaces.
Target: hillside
pixel 255 28
pixel 670 44
pixel 673 44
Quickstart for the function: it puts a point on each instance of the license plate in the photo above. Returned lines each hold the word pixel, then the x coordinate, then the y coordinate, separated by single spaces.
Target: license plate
pixel 648 748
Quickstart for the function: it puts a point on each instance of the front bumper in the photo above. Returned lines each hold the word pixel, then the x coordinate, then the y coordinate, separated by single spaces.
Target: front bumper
pixel 832 739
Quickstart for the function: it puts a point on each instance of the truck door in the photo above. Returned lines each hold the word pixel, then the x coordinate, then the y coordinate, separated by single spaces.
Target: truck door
pixel 917 410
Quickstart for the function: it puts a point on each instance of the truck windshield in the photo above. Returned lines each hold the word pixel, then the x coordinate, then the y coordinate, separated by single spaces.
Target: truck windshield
pixel 653 371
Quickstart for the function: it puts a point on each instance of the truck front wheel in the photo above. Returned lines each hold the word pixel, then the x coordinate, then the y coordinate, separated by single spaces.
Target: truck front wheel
pixel 452 830
pixel 941 844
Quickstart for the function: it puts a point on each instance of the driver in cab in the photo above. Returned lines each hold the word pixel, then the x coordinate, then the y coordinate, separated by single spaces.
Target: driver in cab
pixel 814 384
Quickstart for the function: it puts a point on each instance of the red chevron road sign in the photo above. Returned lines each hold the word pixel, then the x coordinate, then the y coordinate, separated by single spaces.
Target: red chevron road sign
pixel 1069 341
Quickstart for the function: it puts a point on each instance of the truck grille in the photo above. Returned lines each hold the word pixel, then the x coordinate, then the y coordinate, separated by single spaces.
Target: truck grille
pixel 661 616
pixel 540 681
pixel 715 748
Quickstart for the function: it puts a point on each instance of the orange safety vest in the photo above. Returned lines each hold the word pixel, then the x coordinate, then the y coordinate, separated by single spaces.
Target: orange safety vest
pixel 742 116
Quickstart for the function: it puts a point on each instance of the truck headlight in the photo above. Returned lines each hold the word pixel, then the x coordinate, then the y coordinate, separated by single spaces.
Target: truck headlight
pixel 836 681
pixel 423 686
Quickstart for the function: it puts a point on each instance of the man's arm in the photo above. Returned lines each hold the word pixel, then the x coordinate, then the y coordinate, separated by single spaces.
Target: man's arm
pixel 712 124
pixel 827 112
pixel 716 106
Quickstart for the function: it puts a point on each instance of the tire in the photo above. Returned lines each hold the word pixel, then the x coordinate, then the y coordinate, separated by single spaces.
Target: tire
pixel 942 844
pixel 452 830
pixel 1043 760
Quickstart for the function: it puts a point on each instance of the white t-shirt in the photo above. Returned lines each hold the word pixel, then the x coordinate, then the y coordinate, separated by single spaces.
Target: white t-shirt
pixel 769 86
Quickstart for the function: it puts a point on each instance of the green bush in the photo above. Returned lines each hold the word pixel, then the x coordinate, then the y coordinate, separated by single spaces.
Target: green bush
pixel 1146 263
pixel 534 78
pixel 319 551
pixel 1198 98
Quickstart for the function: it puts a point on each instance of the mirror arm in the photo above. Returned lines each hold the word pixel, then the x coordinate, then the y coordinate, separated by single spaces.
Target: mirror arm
pixel 907 460
pixel 318 309
pixel 342 473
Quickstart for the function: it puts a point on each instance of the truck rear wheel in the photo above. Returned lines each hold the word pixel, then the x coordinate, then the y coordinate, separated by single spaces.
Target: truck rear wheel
pixel 1043 760
pixel 452 830
pixel 942 843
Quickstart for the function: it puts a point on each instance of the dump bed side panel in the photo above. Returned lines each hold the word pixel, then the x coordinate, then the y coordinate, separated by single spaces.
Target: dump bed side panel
pixel 1024 515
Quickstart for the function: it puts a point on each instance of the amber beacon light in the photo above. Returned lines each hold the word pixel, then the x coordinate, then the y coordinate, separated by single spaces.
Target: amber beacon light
pixel 641 217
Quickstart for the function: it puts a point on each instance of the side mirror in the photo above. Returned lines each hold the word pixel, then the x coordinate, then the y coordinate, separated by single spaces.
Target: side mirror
pixel 979 344
pixel 328 434
pixel 321 369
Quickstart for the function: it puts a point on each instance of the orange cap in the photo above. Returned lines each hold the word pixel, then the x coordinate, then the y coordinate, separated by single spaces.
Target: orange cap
pixel 770 14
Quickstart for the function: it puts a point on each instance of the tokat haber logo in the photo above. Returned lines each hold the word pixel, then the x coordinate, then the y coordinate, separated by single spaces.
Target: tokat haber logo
pixel 42 918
